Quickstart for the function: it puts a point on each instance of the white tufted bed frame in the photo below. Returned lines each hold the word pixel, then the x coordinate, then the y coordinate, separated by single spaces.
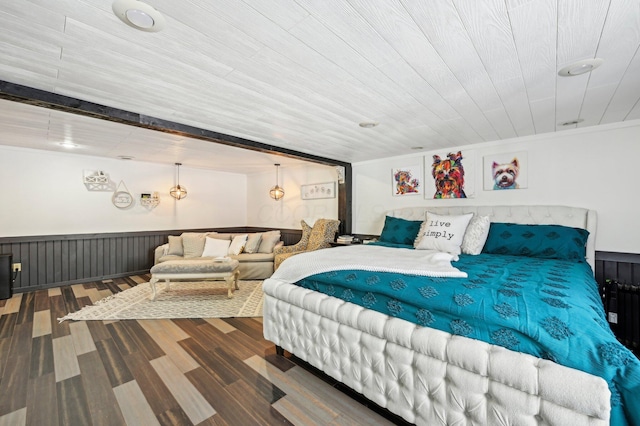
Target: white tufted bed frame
pixel 430 377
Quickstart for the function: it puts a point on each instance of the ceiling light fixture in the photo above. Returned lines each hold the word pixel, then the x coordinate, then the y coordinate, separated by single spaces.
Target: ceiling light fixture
pixel 178 192
pixel 368 124
pixel 572 122
pixel 125 157
pixel 69 145
pixel 138 15
pixel 276 192
pixel 580 67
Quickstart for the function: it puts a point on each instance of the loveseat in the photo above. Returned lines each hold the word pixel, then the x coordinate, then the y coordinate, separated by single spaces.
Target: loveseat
pixel 253 251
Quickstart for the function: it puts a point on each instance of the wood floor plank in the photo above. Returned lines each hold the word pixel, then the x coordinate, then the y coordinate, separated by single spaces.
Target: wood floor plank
pixel 65 361
pixel 98 330
pixel 220 324
pixel 79 290
pixel 7 324
pixel 145 343
pixel 102 401
pixel 70 302
pixel 42 361
pixel 133 404
pixel 42 401
pixel 94 294
pixel 27 305
pixel 114 364
pixel 41 323
pixel 166 334
pixel 16 418
pixel 73 408
pixel 12 305
pixel 82 339
pixel 15 374
pixel 58 310
pixel 189 398
pixel 155 391
pixel 122 339
pixel 258 407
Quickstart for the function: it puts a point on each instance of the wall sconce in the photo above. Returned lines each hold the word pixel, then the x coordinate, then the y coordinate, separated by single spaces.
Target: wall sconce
pixel 178 192
pixel 276 192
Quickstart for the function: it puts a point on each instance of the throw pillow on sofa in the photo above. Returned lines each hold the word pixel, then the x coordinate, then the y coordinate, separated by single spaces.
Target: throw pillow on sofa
pixel 175 246
pixel 238 244
pixel 215 247
pixel 269 241
pixel 193 244
pixel 253 243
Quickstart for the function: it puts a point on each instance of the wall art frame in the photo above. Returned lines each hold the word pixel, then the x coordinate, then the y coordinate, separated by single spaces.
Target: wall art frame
pixel 316 191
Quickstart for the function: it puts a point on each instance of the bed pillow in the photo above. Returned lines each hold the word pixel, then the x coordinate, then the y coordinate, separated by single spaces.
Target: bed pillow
pixel 542 241
pixel 253 243
pixel 442 233
pixel 399 231
pixel 215 247
pixel 175 246
pixel 237 244
pixel 476 235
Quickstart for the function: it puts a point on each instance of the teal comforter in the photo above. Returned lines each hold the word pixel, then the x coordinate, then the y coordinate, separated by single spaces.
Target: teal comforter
pixel 546 308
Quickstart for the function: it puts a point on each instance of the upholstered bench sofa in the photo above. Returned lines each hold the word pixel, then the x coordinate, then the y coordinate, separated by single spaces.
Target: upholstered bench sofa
pixel 253 251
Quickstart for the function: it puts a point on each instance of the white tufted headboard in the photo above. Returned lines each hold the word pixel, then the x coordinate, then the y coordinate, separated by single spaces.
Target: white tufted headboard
pixel 574 217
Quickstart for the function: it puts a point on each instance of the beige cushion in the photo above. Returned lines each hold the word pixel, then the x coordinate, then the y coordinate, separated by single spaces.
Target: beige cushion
pixel 322 234
pixel 253 243
pixel 175 246
pixel 193 244
pixel 193 267
pixel 214 247
pixel 268 241
pixel 220 236
pixel 254 257
pixel 237 244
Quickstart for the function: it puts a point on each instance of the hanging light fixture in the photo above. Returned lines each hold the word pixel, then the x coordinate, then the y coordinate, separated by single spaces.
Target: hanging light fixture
pixel 276 192
pixel 178 192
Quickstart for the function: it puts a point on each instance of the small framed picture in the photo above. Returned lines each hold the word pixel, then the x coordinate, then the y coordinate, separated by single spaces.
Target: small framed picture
pixel 505 171
pixel 406 180
pixel 316 191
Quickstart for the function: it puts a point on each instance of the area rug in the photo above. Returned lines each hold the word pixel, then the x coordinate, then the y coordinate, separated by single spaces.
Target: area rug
pixel 205 299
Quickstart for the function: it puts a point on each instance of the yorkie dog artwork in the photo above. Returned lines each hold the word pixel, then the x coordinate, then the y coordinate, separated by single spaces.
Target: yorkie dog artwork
pixel 505 175
pixel 405 182
pixel 449 176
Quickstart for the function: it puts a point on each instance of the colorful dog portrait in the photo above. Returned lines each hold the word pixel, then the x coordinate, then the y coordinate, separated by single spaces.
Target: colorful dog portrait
pixel 449 176
pixel 505 171
pixel 505 175
pixel 406 181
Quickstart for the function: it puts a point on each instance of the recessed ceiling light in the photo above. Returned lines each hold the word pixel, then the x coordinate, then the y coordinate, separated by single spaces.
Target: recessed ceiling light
pixel 125 157
pixel 368 124
pixel 417 147
pixel 580 67
pixel 138 15
pixel 572 122
pixel 69 145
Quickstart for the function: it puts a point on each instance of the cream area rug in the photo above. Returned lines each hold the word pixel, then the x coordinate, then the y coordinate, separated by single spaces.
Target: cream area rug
pixel 204 299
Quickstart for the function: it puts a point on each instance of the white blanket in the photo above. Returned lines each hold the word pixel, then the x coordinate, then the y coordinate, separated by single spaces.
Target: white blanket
pixel 428 263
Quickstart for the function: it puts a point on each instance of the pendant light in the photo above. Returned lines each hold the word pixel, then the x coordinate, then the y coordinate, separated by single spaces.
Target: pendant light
pixel 276 192
pixel 178 192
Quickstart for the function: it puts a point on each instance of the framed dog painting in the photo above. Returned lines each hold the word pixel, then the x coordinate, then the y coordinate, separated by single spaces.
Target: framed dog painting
pixel 452 175
pixel 406 180
pixel 505 171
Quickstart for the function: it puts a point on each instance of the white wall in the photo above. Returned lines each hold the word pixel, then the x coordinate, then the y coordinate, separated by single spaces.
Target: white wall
pixel 290 210
pixel 595 168
pixel 44 194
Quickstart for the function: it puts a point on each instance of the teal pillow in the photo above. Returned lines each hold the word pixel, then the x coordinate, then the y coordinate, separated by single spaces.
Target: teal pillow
pixel 399 231
pixel 542 241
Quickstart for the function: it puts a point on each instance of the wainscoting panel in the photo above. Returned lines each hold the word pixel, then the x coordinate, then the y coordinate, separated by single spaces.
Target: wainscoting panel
pixel 55 260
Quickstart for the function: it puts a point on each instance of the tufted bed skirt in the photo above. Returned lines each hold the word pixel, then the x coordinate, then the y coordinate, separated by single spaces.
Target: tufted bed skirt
pixel 430 377
pixel 427 376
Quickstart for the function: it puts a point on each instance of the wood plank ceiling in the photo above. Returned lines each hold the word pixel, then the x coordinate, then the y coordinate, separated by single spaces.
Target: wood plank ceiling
pixel 302 74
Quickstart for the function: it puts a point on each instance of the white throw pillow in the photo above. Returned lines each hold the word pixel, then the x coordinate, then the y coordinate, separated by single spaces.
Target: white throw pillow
pixel 238 244
pixel 214 247
pixel 442 233
pixel 476 235
pixel 253 243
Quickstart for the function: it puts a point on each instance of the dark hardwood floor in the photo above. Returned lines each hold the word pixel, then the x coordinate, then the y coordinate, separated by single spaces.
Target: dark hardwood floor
pixel 156 372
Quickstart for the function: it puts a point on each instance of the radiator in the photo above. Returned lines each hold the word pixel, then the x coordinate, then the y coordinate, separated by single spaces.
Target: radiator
pixel 622 302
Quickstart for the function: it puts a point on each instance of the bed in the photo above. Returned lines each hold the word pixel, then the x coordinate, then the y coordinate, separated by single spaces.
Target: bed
pixel 430 364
